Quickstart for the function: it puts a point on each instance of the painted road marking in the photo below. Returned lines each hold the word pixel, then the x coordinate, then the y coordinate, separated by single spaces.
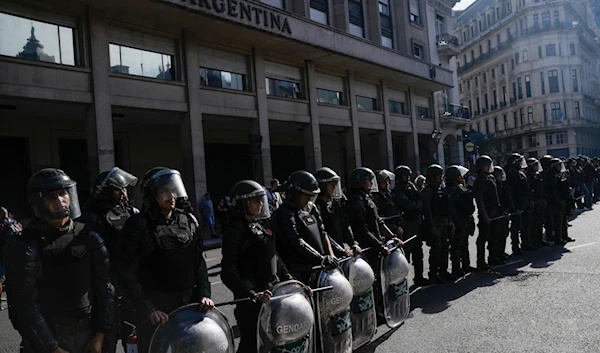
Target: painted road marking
pixel 582 245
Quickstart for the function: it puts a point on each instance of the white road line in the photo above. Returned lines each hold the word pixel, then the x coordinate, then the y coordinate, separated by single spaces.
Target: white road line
pixel 581 246
pixel 215 282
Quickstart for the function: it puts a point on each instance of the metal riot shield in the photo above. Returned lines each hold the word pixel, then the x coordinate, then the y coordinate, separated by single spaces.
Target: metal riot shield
pixel 191 331
pixel 362 309
pixel 394 286
pixel 286 322
pixel 333 312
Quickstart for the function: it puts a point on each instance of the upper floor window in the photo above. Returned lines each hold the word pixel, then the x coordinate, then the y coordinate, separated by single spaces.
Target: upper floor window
pixel 277 3
pixel 422 112
pixel 386 24
pixel 329 97
pixel 525 55
pixel 132 61
pixel 319 10
pixel 439 25
pixel 574 79
pixel 397 107
pixel 52 43
pixel 285 89
pixel 356 16
pixel 418 51
pixel 553 81
pixel 223 79
pixel 415 12
pixel 571 49
pixel 367 103
pixel 550 50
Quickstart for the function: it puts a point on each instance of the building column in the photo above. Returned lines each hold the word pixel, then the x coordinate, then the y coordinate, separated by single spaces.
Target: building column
pixel 99 124
pixel 340 15
pixel 414 161
pixel 386 148
pixel 353 150
pixel 264 168
pixel 191 128
pixel 373 21
pixel 437 126
pixel 312 132
pixel 461 150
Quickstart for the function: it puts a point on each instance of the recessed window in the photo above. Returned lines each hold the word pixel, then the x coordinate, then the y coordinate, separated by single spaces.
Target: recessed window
pixel 415 12
pixel 397 107
pixel 223 79
pixel 386 24
pixel 276 3
pixel 329 97
pixel 139 62
pixel 550 50
pixel 285 89
pixel 577 111
pixel 418 51
pixel 542 83
pixel 422 112
pixel 319 10
pixel 528 86
pixel 525 55
pixel 35 40
pixel 367 103
pixel 356 17
pixel 574 79
pixel 530 115
pixel 555 111
pixel 572 49
pixel 553 81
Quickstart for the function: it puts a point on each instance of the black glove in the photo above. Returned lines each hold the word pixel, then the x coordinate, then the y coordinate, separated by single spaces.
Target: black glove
pixel 330 262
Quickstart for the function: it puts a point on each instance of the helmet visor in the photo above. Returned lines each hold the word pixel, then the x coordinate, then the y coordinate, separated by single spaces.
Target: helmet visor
pixel 119 178
pixel 463 170
pixel 563 169
pixel 55 205
pixel 256 204
pixel 337 189
pixel 167 185
pixel 374 186
pixel 523 164
pixel 311 204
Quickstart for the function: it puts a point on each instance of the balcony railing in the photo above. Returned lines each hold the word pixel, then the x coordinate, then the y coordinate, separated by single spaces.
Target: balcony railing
pixel 447 44
pixel 520 34
pixel 502 104
pixel 456 111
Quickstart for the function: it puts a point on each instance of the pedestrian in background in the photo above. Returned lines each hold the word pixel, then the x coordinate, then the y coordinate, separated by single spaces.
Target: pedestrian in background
pixel 208 213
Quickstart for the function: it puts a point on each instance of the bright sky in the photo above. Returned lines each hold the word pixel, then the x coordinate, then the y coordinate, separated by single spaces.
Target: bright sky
pixel 463 4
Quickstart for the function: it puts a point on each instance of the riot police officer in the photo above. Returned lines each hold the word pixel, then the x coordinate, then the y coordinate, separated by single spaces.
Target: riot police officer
pixel 534 174
pixel 486 198
pixel 462 202
pixel 438 224
pixel 501 225
pixel 302 241
pixel 332 207
pixel 58 273
pixel 159 255
pixel 384 200
pixel 250 265
pixel 518 187
pixel 106 212
pixel 410 202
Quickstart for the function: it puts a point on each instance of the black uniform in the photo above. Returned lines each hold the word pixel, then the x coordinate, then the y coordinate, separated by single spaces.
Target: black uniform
pixel 336 222
pixel 59 287
pixel 301 240
pixel 518 186
pixel 410 203
pixel 250 265
pixel 388 211
pixel 365 223
pixel 539 204
pixel 564 194
pixel 438 212
pixel 161 266
pixel 462 202
pixel 501 225
pixel 486 194
pixel 554 213
pixel 109 223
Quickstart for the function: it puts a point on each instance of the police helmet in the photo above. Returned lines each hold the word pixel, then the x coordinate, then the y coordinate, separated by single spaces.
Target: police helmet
pixel 326 176
pixel 401 171
pixel 557 165
pixel 384 175
pixel 454 171
pixel 482 162
pixel 114 179
pixel 433 171
pixel 359 176
pixel 53 195
pixel 499 173
pixel 246 191
pixel 545 161
pixel 534 164
pixel 516 161
pixel 161 184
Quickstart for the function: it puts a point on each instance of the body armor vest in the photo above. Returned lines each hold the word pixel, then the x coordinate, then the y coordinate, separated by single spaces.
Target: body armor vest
pixel 117 217
pixel 311 231
pixel 440 203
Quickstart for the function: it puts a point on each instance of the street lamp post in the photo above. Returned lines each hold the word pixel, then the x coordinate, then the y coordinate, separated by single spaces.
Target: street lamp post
pixel 436 135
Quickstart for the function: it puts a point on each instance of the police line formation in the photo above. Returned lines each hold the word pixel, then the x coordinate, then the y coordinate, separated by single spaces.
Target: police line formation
pixel 318 275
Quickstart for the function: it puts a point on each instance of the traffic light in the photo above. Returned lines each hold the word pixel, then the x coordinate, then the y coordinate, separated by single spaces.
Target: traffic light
pixel 255 144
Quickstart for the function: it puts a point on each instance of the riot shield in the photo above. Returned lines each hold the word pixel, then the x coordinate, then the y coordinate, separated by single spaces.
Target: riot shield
pixel 394 287
pixel 286 322
pixel 362 309
pixel 191 331
pixel 333 312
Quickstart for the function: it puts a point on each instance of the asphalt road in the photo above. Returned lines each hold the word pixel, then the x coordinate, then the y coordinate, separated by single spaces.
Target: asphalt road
pixel 543 301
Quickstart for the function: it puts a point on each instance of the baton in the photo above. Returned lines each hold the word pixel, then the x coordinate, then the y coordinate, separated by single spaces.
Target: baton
pixel 508 215
pixel 390 217
pixel 342 260
pixel 236 301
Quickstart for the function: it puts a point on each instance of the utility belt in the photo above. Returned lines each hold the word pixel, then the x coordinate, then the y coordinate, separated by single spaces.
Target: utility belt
pixel 70 327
